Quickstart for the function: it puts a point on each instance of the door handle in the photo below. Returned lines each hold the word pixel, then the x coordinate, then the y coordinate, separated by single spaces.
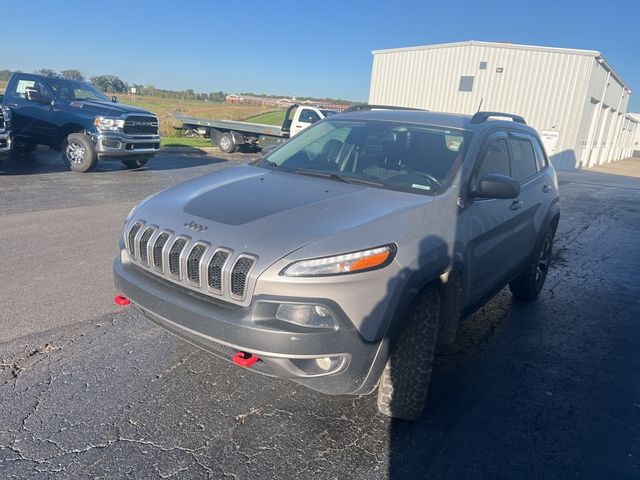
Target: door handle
pixel 546 189
pixel 516 204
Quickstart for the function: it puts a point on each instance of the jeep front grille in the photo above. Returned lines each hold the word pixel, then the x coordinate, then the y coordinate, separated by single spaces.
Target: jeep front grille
pixel 239 275
pixel 132 235
pixel 215 270
pixel 193 263
pixel 140 125
pixel 144 243
pixel 157 250
pixel 190 262
pixel 174 256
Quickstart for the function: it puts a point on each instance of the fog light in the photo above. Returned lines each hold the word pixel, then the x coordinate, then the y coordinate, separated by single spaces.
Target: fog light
pixel 324 363
pixel 315 316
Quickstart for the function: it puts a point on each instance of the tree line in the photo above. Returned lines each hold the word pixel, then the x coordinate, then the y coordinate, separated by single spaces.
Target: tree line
pixel 113 84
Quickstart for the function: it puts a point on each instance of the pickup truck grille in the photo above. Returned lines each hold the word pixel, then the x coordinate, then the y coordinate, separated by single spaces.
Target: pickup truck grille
pixel 2 125
pixel 140 125
pixel 192 263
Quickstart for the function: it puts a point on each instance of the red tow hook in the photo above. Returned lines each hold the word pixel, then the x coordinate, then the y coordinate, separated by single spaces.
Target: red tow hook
pixel 122 300
pixel 245 359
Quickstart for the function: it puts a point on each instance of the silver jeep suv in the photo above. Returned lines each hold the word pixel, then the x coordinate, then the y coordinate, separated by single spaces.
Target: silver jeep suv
pixel 342 257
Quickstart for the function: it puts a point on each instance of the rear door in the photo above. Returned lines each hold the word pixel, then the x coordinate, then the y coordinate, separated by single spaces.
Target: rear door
pixel 490 225
pixel 530 167
pixel 31 119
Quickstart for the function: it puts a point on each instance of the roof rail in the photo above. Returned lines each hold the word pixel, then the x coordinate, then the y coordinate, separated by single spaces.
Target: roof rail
pixel 484 116
pixel 364 106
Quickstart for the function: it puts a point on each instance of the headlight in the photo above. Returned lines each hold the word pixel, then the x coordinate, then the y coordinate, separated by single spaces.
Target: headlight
pixel 361 261
pixel 110 124
pixel 6 111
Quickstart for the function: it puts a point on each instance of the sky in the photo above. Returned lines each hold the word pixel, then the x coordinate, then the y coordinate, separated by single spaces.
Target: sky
pixel 316 48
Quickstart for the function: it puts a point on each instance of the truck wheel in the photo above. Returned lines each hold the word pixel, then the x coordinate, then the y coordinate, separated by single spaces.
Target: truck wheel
pixel 404 382
pixel 22 147
pixel 227 143
pixel 135 163
pixel 529 283
pixel 78 153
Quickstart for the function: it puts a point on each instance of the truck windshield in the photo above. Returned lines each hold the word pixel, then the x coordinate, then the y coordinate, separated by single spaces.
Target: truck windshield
pixel 408 157
pixel 75 90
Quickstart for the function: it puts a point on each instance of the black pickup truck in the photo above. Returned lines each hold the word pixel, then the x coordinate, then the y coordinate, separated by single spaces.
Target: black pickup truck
pixel 80 121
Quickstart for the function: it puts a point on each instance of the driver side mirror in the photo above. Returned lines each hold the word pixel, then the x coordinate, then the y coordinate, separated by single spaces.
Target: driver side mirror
pixel 497 186
pixel 114 99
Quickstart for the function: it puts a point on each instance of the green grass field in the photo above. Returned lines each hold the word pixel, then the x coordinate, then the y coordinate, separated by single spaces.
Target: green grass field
pixel 268 118
pixel 184 142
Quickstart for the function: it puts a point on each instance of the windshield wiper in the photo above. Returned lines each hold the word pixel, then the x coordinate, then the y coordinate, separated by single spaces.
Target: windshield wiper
pixel 269 163
pixel 339 178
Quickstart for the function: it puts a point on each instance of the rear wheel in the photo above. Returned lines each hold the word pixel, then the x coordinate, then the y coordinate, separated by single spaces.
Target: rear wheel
pixel 403 386
pixel 227 143
pixel 135 163
pixel 529 283
pixel 78 153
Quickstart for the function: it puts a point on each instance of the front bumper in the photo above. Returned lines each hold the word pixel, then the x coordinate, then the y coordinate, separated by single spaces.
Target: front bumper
pixel 285 350
pixel 5 141
pixel 117 145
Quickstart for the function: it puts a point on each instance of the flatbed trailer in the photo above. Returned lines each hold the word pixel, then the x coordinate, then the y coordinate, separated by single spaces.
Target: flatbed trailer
pixel 230 135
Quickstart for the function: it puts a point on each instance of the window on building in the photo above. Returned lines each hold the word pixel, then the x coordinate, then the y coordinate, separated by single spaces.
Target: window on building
pixel 483 65
pixel 523 159
pixel 466 84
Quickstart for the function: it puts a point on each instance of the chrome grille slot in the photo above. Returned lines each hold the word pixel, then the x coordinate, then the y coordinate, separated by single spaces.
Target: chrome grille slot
pixel 174 256
pixel 193 263
pixel 157 249
pixel 144 243
pixel 214 272
pixel 2 124
pixel 239 275
pixel 132 236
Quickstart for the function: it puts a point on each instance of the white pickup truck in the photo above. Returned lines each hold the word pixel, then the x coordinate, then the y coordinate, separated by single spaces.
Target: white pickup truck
pixel 229 135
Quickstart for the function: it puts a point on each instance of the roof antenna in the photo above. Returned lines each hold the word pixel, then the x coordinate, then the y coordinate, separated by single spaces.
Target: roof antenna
pixel 480 105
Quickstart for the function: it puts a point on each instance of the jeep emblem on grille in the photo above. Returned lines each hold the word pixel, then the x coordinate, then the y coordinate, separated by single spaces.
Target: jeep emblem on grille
pixel 196 226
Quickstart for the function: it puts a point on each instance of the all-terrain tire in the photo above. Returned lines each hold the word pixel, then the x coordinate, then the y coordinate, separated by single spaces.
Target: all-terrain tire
pixel 135 162
pixel 79 153
pixel 402 390
pixel 227 143
pixel 529 283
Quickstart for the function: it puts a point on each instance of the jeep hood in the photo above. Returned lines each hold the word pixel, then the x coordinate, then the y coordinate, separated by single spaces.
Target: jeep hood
pixel 269 213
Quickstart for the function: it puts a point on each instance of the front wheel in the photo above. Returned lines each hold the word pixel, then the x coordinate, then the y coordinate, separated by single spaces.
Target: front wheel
pixel 529 283
pixel 78 153
pixel 227 143
pixel 135 163
pixel 402 390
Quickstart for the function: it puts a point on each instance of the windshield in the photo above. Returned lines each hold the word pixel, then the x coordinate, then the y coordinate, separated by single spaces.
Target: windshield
pixel 414 158
pixel 75 90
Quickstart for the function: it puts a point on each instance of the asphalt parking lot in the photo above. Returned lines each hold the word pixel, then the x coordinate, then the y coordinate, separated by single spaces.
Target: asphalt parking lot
pixel 549 389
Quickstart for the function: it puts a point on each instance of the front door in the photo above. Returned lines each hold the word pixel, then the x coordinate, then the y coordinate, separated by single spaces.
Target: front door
pixel 490 225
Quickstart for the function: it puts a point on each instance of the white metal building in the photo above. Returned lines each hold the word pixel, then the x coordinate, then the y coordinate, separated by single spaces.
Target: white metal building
pixel 573 98
pixel 636 137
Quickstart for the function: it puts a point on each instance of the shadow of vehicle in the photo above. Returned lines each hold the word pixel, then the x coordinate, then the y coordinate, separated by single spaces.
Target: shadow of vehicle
pixel 49 161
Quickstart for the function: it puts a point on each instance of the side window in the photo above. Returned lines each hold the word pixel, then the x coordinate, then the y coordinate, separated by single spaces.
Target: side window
pixel 495 160
pixel 523 159
pixel 541 159
pixel 308 116
pixel 24 84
